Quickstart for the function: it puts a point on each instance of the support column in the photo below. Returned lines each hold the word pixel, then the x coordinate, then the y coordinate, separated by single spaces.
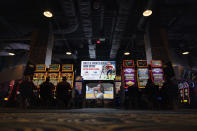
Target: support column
pixel 156 44
pixel 49 50
pixel 41 46
pixel 148 46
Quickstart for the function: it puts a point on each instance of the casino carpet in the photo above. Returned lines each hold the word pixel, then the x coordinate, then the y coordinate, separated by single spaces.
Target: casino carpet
pixel 97 119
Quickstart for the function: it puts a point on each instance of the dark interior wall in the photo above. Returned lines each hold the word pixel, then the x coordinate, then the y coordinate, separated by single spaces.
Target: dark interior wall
pixel 12 61
pixel 1 63
pixel 15 73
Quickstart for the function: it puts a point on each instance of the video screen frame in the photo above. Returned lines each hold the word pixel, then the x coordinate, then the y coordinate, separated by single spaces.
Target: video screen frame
pixel 102 96
pixel 98 70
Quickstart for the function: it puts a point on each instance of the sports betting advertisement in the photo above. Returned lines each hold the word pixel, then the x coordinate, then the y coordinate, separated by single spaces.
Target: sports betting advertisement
pixel 99 91
pixel 98 70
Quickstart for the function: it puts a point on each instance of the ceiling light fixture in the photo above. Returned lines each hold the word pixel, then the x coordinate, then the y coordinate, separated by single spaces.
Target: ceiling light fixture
pixel 147 12
pixel 68 53
pixel 11 54
pixel 126 53
pixel 47 14
pixel 185 53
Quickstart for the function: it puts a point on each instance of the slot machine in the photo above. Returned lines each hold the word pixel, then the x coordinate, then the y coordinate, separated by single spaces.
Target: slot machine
pixel 67 71
pixel 142 73
pixel 40 75
pixel 54 73
pixel 78 84
pixel 117 84
pixel 157 74
pixel 184 92
pixel 128 72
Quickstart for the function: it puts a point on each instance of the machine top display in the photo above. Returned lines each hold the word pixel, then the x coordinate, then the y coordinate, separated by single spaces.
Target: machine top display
pixel 40 68
pixel 54 68
pixel 128 63
pixel 142 63
pixel 67 67
pixel 156 63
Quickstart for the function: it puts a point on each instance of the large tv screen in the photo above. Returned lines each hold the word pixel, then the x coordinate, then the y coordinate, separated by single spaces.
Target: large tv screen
pixel 99 91
pixel 98 70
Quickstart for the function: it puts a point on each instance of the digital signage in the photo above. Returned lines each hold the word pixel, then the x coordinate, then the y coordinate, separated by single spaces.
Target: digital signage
pixel 99 91
pixel 98 70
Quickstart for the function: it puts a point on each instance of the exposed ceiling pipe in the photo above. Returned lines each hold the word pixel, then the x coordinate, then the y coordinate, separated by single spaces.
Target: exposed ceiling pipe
pixel 120 25
pixel 12 47
pixel 102 16
pixel 68 7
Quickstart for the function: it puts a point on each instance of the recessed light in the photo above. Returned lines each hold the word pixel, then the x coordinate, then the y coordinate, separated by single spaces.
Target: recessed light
pixel 47 14
pixel 147 12
pixel 185 53
pixel 12 54
pixel 68 53
pixel 126 53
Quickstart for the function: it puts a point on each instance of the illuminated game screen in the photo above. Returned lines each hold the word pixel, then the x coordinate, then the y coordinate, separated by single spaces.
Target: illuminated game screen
pixel 98 70
pixel 156 63
pixel 78 87
pixel 39 78
pixel 54 67
pixel 157 74
pixel 54 78
pixel 40 67
pixel 69 76
pixel 142 77
pixel 129 77
pixel 99 91
pixel 128 63
pixel 142 63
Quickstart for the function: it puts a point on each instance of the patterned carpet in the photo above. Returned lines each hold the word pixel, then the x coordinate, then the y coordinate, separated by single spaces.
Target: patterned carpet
pixel 96 119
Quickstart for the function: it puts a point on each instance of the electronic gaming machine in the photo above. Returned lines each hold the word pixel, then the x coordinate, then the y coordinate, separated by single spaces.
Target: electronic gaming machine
pixel 40 75
pixel 184 92
pixel 157 72
pixel 128 72
pixel 54 73
pixel 78 84
pixel 67 71
pixel 142 73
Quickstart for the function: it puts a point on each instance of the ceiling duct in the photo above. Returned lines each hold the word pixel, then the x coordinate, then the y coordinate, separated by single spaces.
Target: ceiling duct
pixel 17 46
pixel 85 11
pixel 120 25
pixel 7 48
pixel 68 7
pixel 92 51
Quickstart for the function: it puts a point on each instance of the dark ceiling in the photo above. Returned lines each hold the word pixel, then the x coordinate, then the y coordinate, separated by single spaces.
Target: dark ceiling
pixel 78 24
